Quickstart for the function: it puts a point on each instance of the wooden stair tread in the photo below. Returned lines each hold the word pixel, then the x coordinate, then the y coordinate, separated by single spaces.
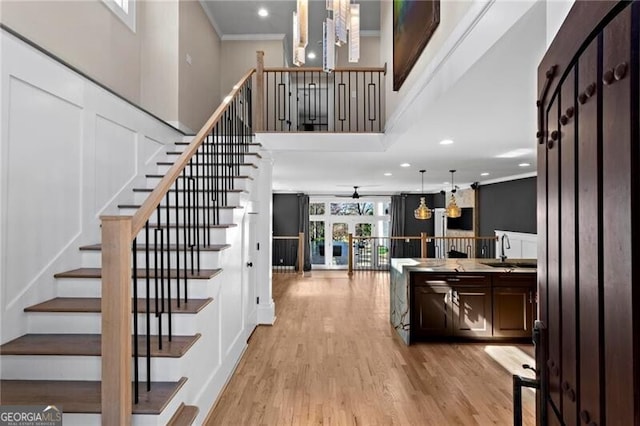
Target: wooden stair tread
pixel 248 144
pixel 181 225
pixel 163 209
pixel 172 247
pixel 254 154
pixel 185 415
pixel 93 305
pixel 197 190
pixel 90 345
pixel 76 396
pixel 203 274
pixel 159 176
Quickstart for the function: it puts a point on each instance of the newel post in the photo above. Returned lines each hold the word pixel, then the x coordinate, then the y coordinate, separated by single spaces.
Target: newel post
pixel 301 253
pixel 423 245
pixel 259 118
pixel 116 320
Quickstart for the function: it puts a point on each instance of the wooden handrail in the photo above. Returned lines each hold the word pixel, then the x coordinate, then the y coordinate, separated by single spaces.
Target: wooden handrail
pixel 319 69
pixel 155 198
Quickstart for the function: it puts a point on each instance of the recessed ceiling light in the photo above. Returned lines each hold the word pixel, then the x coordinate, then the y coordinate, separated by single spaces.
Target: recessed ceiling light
pixel 263 12
pixel 445 183
pixel 484 174
pixel 446 142
pixel 524 164
pixel 311 55
pixel 388 174
pixel 405 165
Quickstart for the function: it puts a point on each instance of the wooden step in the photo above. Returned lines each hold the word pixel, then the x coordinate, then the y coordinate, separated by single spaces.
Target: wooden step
pixel 181 225
pixel 171 163
pixel 163 209
pixel 185 415
pixel 158 176
pixel 82 396
pixel 254 154
pixel 248 144
pixel 243 191
pixel 203 274
pixel 93 305
pixel 90 345
pixel 172 247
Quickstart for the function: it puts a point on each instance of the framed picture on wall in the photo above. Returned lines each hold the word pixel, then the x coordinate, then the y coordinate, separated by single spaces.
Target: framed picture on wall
pixel 414 22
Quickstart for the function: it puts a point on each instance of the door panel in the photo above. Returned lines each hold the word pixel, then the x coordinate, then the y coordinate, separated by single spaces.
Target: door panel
pixel 616 190
pixel 588 237
pixel 567 247
pixel 512 311
pixel 553 264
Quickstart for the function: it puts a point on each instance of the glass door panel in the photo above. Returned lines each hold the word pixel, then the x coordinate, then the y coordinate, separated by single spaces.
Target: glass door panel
pixel 340 240
pixel 316 231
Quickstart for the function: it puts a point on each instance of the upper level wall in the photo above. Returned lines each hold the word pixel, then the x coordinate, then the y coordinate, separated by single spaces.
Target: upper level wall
pixel 369 53
pixel 240 56
pixel 148 67
pixel 451 12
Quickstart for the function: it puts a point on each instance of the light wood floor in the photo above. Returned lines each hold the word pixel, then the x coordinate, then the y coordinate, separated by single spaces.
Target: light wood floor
pixel 332 358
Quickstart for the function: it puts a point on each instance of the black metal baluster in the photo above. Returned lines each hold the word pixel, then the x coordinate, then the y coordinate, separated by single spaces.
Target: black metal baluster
pixel 349 96
pixel 379 103
pixel 177 228
pixel 136 380
pixel 168 254
pixel 148 302
pixel 357 104
pixel 186 230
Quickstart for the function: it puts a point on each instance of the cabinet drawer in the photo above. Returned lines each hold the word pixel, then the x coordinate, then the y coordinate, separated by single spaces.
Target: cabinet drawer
pixel 514 279
pixel 426 278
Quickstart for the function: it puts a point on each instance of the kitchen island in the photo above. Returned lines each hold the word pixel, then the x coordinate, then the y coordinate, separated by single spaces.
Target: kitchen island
pixel 463 299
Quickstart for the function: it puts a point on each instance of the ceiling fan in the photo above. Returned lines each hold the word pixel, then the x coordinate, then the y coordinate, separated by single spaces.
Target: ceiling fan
pixel 356 195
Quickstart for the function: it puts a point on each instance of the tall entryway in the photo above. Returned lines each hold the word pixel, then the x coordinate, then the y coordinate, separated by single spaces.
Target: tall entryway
pixel 332 219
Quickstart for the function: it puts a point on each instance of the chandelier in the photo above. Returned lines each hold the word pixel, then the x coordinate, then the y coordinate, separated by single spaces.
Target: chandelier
pixel 342 26
pixel 452 209
pixel 422 212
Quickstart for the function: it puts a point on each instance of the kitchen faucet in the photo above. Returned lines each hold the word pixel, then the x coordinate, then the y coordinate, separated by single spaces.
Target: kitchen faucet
pixel 503 256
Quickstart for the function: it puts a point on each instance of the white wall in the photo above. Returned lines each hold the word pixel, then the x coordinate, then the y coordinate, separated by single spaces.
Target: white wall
pixel 148 67
pixel 68 147
pixel 519 245
pixel 557 11
pixel 240 56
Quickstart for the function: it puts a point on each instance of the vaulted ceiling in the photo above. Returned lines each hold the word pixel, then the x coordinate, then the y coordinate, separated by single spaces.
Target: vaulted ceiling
pixel 489 112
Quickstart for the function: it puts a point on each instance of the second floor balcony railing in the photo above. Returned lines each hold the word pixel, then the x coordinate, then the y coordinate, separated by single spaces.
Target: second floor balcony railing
pixel 311 100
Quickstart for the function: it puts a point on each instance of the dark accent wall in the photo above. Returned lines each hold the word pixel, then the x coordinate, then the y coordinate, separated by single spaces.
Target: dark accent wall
pixel 508 206
pixel 413 226
pixel 285 215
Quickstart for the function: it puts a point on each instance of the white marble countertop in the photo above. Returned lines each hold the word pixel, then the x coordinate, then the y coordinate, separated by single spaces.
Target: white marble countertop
pixel 464 265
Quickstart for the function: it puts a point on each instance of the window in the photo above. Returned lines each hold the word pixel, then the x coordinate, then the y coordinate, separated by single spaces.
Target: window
pixel 125 10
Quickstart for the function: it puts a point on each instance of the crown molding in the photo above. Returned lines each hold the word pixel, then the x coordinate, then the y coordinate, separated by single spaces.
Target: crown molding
pixel 212 20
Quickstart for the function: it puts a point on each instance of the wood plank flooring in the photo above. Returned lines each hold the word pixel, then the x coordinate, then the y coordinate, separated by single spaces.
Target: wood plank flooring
pixel 333 358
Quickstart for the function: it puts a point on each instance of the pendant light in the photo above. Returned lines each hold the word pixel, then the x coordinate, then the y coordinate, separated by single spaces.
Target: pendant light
pixel 422 212
pixel 453 210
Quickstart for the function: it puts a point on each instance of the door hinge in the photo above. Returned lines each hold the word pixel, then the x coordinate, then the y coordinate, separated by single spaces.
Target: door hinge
pixel 257 300
pixel 257 246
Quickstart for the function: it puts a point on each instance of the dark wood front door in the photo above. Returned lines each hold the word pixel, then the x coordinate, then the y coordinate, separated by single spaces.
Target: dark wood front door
pixel 589 218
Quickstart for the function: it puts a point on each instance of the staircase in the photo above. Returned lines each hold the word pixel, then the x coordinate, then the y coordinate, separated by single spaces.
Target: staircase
pixel 59 361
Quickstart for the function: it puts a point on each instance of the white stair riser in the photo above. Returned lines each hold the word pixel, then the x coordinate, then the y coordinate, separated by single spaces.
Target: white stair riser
pixel 217 236
pixel 233 198
pixel 64 322
pixel 92 287
pixel 208 259
pixel 49 367
pixel 204 167
pixel 238 183
pixel 225 215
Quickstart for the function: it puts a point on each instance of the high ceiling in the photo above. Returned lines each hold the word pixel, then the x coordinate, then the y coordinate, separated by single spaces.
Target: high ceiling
pixel 489 112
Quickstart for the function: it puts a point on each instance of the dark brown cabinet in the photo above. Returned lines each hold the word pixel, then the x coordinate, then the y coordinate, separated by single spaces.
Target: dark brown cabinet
pixel 514 304
pixel 480 306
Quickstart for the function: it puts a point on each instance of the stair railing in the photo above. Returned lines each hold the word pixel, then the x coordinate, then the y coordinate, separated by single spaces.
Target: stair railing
pixel 172 225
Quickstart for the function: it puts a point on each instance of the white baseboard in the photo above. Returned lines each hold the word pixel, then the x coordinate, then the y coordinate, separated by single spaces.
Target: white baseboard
pixel 267 314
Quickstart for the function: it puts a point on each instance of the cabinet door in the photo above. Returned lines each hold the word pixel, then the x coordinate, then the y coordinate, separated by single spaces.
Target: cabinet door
pixel 513 311
pixel 431 314
pixel 472 311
